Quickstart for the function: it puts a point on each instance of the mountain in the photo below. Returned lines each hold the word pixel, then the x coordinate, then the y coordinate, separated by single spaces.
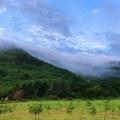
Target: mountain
pixel 19 67
pixel 24 76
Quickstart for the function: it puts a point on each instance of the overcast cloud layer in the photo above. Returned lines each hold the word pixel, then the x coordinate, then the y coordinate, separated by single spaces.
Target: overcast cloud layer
pixel 76 35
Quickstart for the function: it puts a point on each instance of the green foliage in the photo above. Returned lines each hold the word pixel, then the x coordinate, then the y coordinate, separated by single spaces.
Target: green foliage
pixel 35 109
pixel 93 110
pixel 88 104
pixel 106 108
pixel 119 107
pixel 70 108
pixel 59 106
pixel 48 108
pixel 107 105
pixel 6 109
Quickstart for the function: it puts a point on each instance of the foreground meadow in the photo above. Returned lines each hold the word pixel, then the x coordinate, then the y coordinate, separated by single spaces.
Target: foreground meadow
pixel 65 110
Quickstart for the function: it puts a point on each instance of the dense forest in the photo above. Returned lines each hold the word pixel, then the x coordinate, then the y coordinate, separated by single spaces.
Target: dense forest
pixel 23 76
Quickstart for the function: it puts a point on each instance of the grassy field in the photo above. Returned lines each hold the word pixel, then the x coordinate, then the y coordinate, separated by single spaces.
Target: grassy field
pixel 58 110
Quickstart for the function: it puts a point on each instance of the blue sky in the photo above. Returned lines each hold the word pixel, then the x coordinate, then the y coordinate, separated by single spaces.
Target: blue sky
pixel 76 28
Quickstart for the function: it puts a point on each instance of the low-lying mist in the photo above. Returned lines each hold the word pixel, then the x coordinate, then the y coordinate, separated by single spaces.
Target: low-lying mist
pixel 93 65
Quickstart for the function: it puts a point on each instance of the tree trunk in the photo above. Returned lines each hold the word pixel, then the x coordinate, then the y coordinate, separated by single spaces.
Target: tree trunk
pixel 105 115
pixel 38 117
pixel 35 116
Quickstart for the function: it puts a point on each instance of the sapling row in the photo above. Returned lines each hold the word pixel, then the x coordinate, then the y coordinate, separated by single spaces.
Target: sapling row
pixel 6 109
pixel 91 109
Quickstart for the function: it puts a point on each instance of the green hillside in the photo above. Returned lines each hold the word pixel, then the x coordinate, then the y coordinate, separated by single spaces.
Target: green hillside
pixel 23 76
pixel 19 67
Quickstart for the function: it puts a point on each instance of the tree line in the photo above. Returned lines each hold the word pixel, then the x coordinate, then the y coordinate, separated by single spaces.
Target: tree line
pixel 96 89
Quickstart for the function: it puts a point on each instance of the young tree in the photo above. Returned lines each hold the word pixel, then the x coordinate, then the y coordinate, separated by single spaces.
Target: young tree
pixel 119 109
pixel 70 108
pixel 93 111
pixel 59 106
pixel 106 108
pixel 48 108
pixel 82 117
pixel 11 109
pixel 35 109
pixel 113 111
pixel 4 110
pixel 1 111
pixel 88 104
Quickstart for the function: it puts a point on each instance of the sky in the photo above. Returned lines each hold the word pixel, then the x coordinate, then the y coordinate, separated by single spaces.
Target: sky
pixel 73 34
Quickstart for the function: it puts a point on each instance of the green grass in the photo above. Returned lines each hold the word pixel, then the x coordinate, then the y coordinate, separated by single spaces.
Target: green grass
pixel 58 111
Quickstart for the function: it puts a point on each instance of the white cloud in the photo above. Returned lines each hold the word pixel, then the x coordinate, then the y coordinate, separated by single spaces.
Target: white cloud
pixel 2 10
pixel 77 43
pixel 29 40
pixel 2 30
pixel 95 11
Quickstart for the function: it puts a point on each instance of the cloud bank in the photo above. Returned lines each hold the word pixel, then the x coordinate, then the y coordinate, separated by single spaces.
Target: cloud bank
pixel 77 63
